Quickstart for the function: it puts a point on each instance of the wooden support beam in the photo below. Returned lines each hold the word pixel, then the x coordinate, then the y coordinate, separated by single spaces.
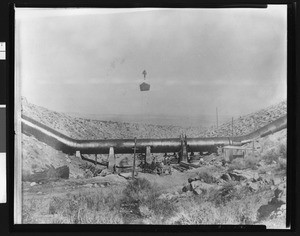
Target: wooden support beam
pixel 111 159
pixel 148 153
pixel 103 163
pixel 134 154
pixel 78 155
pixel 183 151
pixel 95 159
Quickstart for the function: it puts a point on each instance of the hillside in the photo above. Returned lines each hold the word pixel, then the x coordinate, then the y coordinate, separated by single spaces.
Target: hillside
pixel 249 123
pixel 81 128
pixel 249 190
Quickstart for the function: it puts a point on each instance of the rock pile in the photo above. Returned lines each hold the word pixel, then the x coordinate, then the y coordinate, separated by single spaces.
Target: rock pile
pixel 243 182
pixel 276 206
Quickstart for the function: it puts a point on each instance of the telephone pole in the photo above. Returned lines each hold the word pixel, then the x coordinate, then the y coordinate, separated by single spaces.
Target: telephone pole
pixel 134 154
pixel 217 117
pixel 232 127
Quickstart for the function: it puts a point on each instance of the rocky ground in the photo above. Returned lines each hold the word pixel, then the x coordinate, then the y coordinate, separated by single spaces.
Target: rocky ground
pixel 249 190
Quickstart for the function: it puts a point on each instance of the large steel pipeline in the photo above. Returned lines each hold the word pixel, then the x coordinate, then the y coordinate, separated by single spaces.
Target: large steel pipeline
pixel 69 145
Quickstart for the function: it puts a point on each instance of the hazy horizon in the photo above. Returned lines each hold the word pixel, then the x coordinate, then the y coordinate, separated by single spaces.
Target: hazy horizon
pixel 182 121
pixel 204 120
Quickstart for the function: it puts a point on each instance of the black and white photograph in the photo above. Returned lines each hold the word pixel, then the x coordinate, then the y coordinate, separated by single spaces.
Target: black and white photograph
pixel 151 116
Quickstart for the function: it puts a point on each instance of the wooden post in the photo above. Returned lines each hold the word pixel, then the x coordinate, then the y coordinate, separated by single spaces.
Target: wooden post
pixel 148 153
pixel 95 159
pixel 134 152
pixel 111 159
pixel 78 154
pixel 226 155
pixel 184 153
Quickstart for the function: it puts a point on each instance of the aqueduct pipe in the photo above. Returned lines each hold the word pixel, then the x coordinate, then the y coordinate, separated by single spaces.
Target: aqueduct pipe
pixel 69 145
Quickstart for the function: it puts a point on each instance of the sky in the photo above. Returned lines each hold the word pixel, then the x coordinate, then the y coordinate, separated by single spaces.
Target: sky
pixel 91 60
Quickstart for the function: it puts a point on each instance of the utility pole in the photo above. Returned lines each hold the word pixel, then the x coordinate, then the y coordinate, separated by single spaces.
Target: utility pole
pixel 134 154
pixel 217 117
pixel 232 127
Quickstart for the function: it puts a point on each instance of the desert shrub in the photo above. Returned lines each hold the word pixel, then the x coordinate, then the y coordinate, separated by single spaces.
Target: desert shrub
pixel 85 216
pixel 249 161
pixel 282 151
pixel 34 166
pixel 270 156
pixel 281 166
pixel 158 211
pixel 226 206
pixel 55 205
pixel 275 153
pixel 59 219
pixel 162 207
pixel 191 213
pixel 223 195
pixel 105 216
pixel 242 211
pixel 146 196
pixel 139 190
pixel 28 212
pixel 88 208
pixel 206 177
pixel 237 164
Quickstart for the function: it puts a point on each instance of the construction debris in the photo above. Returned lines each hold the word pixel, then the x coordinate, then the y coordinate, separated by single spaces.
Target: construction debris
pixel 179 168
pixel 91 170
pixel 185 165
pixel 243 175
pixel 128 175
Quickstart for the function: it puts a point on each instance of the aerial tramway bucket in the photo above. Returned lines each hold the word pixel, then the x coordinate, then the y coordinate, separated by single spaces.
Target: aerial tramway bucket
pixel 144 86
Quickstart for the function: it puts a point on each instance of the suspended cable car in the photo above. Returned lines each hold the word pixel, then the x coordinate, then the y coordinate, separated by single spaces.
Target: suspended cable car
pixel 144 86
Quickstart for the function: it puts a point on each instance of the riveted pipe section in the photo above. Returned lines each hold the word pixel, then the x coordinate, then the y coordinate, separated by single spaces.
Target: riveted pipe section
pixel 69 145
pixel 271 128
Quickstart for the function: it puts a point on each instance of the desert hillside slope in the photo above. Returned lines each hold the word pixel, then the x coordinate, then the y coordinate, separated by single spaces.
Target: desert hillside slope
pixel 81 128
pixel 251 122
pixel 247 190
